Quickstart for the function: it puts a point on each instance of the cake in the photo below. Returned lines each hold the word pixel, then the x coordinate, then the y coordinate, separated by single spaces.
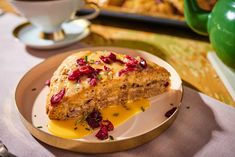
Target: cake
pixel 88 80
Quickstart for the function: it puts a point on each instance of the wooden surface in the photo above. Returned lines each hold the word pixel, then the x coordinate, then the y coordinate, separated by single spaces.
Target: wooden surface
pixel 186 54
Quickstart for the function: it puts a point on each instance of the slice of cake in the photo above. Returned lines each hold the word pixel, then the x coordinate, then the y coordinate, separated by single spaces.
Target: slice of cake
pixel 93 80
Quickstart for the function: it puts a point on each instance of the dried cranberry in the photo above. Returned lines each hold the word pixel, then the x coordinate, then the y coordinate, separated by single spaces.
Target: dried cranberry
pixel 106 68
pixel 94 119
pixel 81 61
pixel 170 112
pixel 102 134
pixel 107 124
pixel 143 63
pixel 86 70
pixel 92 81
pixel 126 70
pixel 130 57
pixel 48 82
pixel 122 72
pixel 130 69
pixel 120 61
pixel 55 99
pixel 97 71
pixel 105 59
pixel 166 84
pixel 112 57
pixel 132 62
pixel 74 75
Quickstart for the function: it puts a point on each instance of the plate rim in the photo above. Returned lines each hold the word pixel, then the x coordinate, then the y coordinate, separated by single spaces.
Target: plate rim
pixel 36 131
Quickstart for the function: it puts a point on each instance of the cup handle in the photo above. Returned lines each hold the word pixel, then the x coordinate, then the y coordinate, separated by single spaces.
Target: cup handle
pixel 89 16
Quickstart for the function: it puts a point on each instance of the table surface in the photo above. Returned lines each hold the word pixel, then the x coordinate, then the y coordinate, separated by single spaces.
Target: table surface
pixel 184 50
pixel 204 126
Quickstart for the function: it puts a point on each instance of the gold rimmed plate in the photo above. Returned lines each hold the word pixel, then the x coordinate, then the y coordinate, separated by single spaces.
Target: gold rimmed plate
pixel 31 97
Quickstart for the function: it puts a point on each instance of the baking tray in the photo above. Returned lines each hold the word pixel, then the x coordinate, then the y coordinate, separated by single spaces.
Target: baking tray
pixel 156 19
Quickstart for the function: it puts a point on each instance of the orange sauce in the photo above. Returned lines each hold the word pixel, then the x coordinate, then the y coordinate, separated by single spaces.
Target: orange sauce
pixel 117 114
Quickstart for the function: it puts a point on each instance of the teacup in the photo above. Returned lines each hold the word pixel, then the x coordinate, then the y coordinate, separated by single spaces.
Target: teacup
pixel 49 15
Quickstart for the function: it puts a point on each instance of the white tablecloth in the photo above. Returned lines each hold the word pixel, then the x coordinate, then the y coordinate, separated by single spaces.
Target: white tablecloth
pixel 206 129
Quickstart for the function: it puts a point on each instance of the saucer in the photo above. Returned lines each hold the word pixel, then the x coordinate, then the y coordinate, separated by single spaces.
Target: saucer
pixel 30 35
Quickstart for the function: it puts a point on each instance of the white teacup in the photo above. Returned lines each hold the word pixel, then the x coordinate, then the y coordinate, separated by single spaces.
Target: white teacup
pixel 49 15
